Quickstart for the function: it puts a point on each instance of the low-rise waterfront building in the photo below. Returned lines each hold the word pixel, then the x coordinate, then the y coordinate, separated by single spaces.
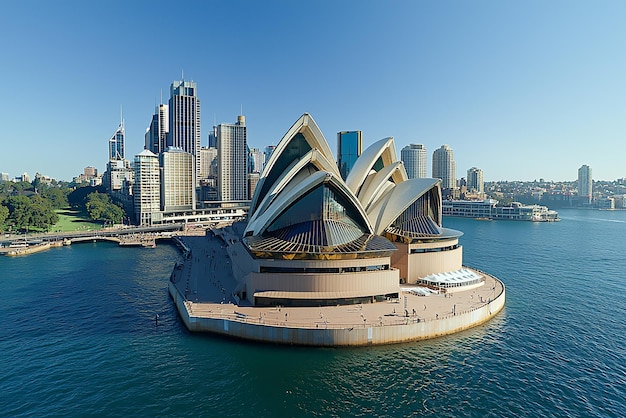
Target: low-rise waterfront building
pixel 489 209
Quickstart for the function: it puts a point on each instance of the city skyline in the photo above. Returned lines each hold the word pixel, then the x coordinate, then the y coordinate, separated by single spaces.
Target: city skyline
pixel 492 80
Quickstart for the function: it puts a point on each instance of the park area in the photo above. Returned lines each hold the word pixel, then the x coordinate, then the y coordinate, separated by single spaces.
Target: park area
pixel 74 220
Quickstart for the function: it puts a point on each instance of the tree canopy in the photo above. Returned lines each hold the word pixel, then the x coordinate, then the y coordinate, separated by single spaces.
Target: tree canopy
pixel 24 206
pixel 4 214
pixel 30 212
pixel 100 208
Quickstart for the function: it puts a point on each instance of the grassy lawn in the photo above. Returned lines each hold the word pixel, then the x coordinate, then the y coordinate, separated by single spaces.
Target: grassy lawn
pixel 73 220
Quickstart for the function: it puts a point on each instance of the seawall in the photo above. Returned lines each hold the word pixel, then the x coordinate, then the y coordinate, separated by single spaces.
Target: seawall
pixel 226 321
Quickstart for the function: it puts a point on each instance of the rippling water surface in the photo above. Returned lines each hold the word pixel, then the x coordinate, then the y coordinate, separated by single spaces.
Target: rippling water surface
pixel 78 337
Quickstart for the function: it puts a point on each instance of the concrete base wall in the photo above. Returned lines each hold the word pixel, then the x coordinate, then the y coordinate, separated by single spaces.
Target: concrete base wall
pixel 234 326
pixel 415 266
pixel 357 284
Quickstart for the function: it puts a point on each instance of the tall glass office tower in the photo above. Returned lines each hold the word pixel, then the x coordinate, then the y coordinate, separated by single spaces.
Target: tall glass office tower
pixel 414 158
pixel 116 144
pixel 232 160
pixel 349 145
pixel 156 134
pixel 184 121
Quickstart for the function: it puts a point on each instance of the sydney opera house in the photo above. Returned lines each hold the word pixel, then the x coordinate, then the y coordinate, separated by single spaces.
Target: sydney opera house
pixel 315 239
pixel 327 261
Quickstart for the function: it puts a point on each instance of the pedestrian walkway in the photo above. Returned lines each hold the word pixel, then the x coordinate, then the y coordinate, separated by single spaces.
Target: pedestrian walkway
pixel 207 282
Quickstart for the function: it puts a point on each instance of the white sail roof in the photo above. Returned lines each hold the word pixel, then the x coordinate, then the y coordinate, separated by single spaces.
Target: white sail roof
pixel 303 136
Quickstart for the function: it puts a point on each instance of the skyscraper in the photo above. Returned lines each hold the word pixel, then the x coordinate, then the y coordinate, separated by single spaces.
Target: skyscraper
pixel 213 137
pixel 585 185
pixel 232 160
pixel 475 181
pixel 257 160
pixel 177 187
pixel 116 144
pixel 349 144
pixel 147 187
pixel 444 167
pixel 253 180
pixel 207 155
pixel 414 158
pixel 156 134
pixel 184 121
pixel 268 152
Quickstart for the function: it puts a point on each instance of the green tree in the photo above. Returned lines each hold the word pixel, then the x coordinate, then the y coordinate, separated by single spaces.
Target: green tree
pixel 42 213
pixel 36 211
pixel 77 197
pixel 4 214
pixel 100 208
pixel 19 211
pixel 57 197
pixel 20 186
pixel 114 214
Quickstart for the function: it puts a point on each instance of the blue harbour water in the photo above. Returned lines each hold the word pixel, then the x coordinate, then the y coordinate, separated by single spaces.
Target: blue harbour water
pixel 78 338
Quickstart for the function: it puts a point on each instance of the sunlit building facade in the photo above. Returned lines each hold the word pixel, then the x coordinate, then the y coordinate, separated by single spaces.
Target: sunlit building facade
pixel 315 239
pixel 475 182
pixel 177 187
pixel 147 187
pixel 585 185
pixel 415 159
pixel 444 168
pixel 156 134
pixel 232 160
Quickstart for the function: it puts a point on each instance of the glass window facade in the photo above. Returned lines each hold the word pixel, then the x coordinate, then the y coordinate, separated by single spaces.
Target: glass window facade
pixel 297 147
pixel 313 215
pixel 349 149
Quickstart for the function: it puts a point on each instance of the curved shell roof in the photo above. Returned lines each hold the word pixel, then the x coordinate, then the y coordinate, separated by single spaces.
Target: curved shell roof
pixel 302 174
pixel 310 132
pixel 312 161
pixel 284 200
pixel 380 182
pixel 387 209
pixel 385 150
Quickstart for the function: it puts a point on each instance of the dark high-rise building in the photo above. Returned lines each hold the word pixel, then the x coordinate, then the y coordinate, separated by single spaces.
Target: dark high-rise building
pixel 184 121
pixel 156 134
pixel 349 144
pixel 213 137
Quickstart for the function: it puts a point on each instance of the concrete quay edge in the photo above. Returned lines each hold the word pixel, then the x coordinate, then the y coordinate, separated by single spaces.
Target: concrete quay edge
pixel 413 329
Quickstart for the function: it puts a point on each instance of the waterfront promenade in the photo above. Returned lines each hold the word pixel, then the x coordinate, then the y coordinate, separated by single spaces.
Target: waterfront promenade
pixel 124 236
pixel 202 288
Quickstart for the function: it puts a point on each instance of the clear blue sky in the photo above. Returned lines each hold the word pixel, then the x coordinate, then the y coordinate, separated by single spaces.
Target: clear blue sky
pixel 522 89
